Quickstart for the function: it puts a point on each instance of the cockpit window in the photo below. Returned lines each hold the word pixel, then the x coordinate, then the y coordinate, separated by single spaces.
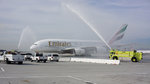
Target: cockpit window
pixel 35 44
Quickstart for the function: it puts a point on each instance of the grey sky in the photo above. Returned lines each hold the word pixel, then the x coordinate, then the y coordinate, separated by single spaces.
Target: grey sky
pixel 51 19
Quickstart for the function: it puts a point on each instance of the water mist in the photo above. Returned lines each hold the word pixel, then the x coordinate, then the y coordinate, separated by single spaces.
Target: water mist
pixel 86 22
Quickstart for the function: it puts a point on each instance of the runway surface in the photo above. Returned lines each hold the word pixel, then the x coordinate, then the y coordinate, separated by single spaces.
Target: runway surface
pixel 76 73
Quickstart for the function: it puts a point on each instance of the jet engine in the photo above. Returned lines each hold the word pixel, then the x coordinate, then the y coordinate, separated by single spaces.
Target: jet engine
pixel 79 51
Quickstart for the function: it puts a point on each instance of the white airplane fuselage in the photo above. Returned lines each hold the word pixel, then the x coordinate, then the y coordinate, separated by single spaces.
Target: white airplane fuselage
pixel 50 45
pixel 61 45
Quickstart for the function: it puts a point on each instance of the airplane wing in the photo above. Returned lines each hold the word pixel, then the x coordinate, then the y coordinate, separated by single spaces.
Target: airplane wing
pixel 78 51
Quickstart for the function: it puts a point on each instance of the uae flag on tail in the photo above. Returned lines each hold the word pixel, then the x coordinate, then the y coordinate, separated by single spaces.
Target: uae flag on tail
pixel 119 35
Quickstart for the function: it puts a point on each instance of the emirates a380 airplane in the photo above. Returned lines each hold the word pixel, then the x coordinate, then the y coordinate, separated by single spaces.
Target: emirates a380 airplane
pixel 77 47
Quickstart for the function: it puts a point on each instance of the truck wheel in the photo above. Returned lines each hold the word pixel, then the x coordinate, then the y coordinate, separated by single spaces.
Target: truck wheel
pixel 115 58
pixel 31 60
pixel 50 60
pixel 134 59
pixel 7 61
pixel 25 59
pixel 44 61
pixel 20 62
pixel 37 60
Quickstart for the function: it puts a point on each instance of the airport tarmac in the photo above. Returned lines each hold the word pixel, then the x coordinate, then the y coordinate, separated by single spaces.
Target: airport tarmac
pixel 75 73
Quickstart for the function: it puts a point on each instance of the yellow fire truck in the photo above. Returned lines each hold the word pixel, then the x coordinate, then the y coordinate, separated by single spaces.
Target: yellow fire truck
pixel 119 55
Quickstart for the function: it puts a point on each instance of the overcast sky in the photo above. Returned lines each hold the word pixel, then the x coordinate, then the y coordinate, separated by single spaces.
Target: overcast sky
pixel 41 19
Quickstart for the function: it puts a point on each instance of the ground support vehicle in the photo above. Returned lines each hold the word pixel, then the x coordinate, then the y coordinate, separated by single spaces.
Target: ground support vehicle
pixel 121 55
pixel 9 57
pixel 38 58
pixel 53 57
pixel 27 56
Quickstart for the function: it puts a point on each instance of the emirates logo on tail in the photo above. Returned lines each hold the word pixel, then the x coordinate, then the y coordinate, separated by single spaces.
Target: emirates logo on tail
pixel 119 35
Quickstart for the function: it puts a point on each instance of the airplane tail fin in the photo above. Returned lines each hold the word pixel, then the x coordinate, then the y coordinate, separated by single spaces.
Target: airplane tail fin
pixel 118 35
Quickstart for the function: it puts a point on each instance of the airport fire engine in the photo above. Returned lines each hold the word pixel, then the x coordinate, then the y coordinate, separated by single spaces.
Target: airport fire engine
pixel 134 56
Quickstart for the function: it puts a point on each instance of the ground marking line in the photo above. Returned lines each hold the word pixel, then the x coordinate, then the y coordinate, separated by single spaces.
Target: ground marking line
pixel 2 69
pixel 35 77
pixel 76 78
pixel 80 79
